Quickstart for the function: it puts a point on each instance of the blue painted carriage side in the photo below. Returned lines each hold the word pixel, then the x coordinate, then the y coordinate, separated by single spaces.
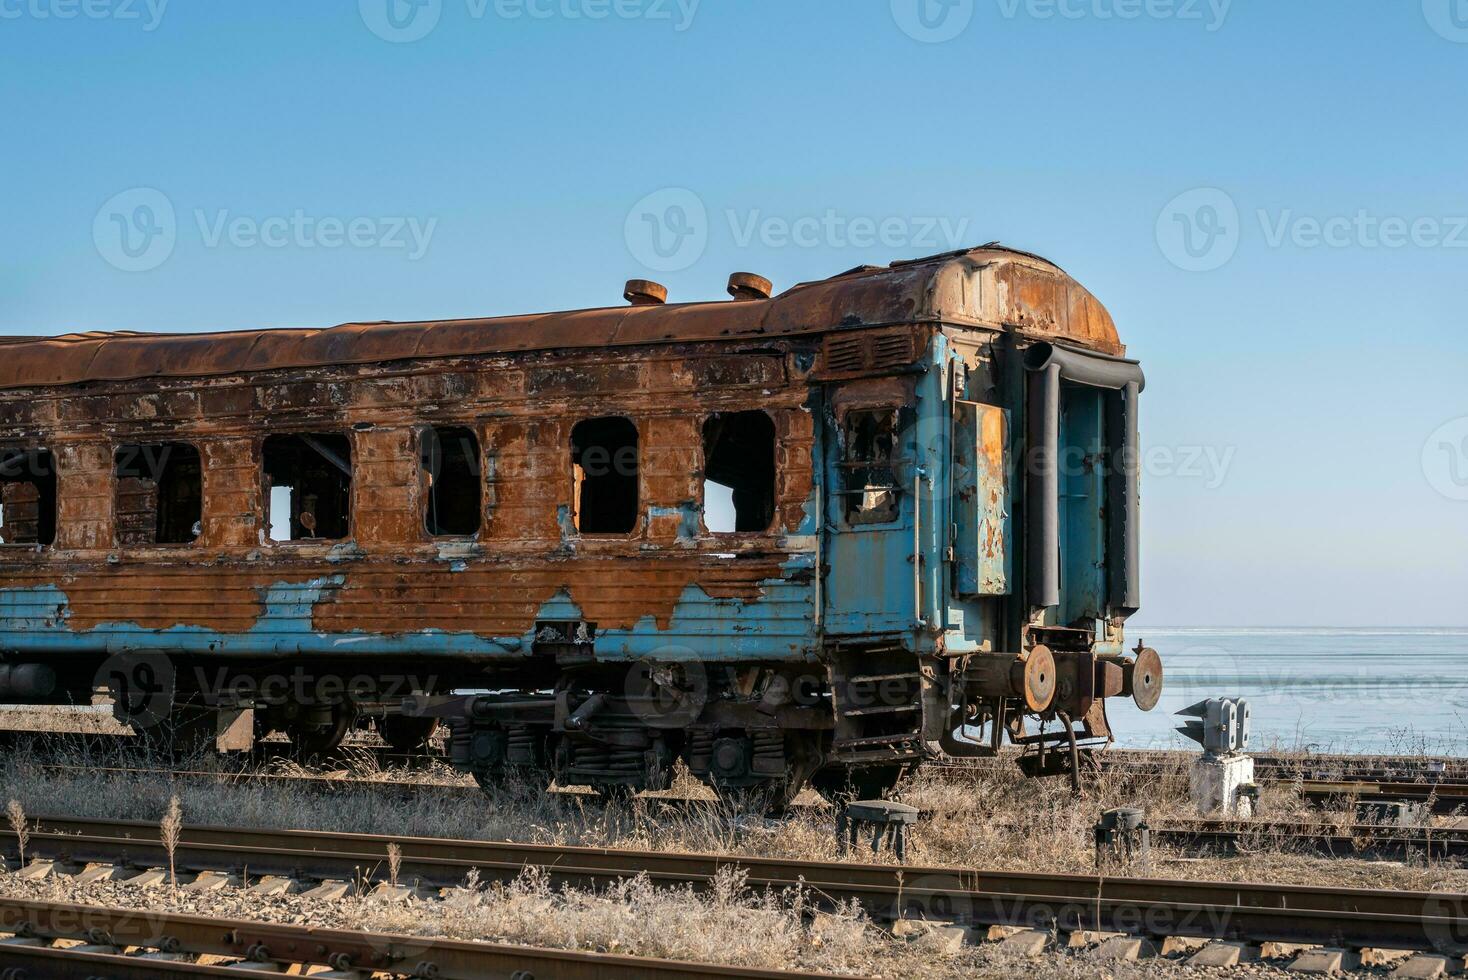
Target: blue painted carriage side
pixel 778 625
pixel 891 579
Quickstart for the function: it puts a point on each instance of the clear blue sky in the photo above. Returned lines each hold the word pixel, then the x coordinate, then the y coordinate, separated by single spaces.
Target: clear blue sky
pixel 518 136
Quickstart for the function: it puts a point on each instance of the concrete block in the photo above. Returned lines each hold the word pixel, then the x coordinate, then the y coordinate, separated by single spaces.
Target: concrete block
pixel 1283 951
pixel 1216 782
pixel 1423 967
pixel 209 881
pixel 1029 943
pixel 151 878
pixel 1324 961
pixel 275 885
pixel 1124 949
pixel 37 870
pixel 1373 957
pixel 385 892
pixel 98 872
pixel 1182 945
pixel 947 939
pixel 331 891
pixel 1224 955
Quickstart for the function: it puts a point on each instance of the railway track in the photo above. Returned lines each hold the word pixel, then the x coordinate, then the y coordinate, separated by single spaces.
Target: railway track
pixel 166 944
pixel 332 864
pixel 1350 841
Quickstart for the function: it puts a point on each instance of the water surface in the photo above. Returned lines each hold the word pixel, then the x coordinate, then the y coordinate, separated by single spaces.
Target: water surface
pixel 1331 690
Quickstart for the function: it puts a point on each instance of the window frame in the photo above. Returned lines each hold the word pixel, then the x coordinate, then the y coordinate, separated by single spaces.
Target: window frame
pixel 36 547
pixel 265 487
pixel 481 456
pixel 116 529
pixel 774 475
pixel 570 457
pixel 844 466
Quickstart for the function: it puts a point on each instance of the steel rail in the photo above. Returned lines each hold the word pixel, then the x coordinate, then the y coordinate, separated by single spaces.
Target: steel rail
pixel 1355 840
pixel 263 942
pixel 51 963
pixel 1159 907
pixel 1350 768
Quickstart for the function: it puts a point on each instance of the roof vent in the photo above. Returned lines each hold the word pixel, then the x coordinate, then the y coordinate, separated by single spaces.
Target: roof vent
pixel 645 292
pixel 747 286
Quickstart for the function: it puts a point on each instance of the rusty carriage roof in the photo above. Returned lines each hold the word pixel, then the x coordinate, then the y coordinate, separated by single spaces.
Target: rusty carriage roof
pixel 990 286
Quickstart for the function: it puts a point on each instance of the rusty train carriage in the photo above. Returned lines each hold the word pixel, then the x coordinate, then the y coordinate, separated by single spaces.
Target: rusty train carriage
pixel 933 467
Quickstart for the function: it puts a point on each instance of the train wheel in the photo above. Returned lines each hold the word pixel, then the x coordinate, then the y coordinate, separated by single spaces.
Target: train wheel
pixel 406 734
pixel 840 784
pixel 326 735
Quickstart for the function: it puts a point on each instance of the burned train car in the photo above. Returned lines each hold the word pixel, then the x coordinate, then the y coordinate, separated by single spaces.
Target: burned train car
pixel 818 537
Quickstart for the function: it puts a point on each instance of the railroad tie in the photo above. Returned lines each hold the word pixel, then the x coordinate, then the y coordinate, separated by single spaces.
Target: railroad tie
pixel 151 878
pixel 273 885
pixel 331 891
pixel 210 881
pixel 1029 943
pixel 1324 961
pixel 1224 955
pixel 1124 949
pixel 98 872
pixel 1425 966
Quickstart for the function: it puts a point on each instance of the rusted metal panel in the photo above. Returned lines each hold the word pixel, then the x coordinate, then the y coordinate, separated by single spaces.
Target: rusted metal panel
pixel 983 556
pixel 1034 295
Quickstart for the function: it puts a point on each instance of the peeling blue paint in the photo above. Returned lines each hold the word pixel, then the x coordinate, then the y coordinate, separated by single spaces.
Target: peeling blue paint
pixel 34 620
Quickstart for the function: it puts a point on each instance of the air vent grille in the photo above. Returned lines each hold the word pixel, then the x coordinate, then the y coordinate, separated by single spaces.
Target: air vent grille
pixel 852 352
pixel 846 353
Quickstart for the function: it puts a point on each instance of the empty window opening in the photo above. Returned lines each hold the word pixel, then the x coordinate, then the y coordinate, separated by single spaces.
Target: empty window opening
pixel 871 492
pixel 451 484
pixel 160 493
pixel 309 479
pixel 27 497
pixel 739 472
pixel 604 464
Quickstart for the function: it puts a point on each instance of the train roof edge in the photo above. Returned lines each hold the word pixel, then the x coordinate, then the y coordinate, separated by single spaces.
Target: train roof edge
pixel 990 286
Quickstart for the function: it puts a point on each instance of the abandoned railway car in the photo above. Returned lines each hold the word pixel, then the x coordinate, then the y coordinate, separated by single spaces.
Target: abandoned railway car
pixel 818 537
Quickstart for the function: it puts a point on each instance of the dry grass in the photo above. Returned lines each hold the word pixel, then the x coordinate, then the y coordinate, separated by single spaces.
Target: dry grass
pixel 52 718
pixel 993 818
